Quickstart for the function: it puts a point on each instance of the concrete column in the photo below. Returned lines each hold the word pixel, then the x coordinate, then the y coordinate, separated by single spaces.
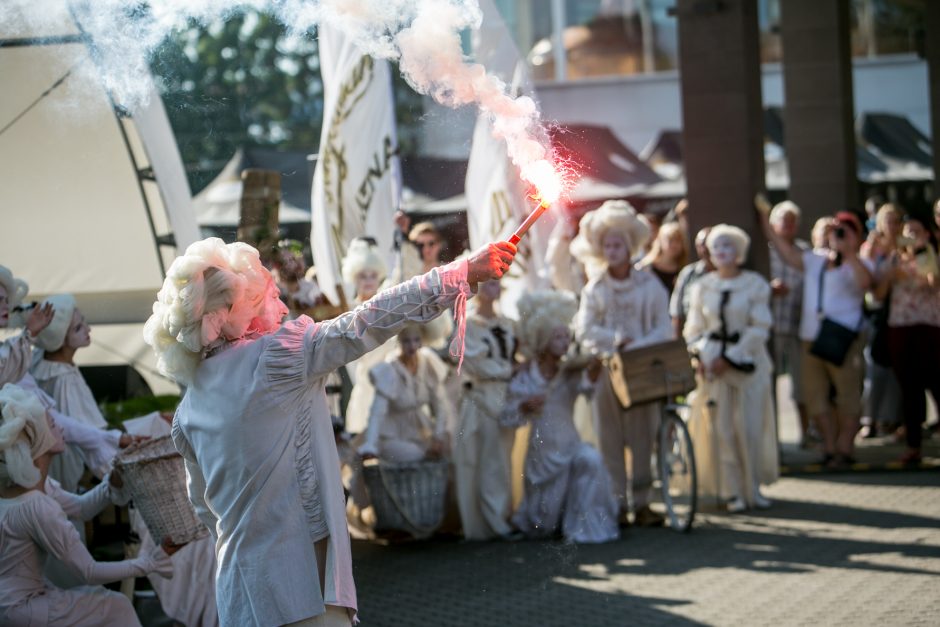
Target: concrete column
pixel 933 64
pixel 722 118
pixel 819 127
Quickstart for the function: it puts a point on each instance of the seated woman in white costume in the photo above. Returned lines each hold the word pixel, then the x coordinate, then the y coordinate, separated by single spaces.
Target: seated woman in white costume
pixel 732 424
pixel 401 427
pixel 34 529
pixel 621 307
pixel 95 447
pixel 364 269
pixel 482 446
pixel 59 377
pixel 567 489
pixel 254 428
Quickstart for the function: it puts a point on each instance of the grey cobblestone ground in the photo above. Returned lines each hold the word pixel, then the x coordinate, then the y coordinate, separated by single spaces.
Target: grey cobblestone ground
pixel 835 550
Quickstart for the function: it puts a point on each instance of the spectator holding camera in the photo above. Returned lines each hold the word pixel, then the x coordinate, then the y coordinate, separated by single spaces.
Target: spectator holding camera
pixel 834 285
pixel 910 286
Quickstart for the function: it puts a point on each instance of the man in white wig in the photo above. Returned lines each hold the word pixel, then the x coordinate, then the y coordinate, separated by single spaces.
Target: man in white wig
pixel 622 307
pixel 732 422
pixel 254 427
pixel 34 529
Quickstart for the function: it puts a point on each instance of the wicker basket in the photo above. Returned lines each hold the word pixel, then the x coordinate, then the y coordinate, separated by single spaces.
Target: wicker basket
pixel 407 497
pixel 156 478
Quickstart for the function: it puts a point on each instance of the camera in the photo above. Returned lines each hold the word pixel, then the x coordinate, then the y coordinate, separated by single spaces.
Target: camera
pixel 840 232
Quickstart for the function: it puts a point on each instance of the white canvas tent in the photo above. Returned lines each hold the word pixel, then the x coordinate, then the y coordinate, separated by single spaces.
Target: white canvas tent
pixel 94 197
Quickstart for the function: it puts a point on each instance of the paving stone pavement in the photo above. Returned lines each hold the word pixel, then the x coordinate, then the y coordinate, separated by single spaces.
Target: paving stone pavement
pixel 843 549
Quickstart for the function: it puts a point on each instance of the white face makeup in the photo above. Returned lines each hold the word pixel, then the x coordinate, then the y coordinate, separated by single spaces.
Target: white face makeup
pixel 79 333
pixel 367 283
pixel 57 434
pixel 558 341
pixel 723 252
pixel 616 251
pixel 4 307
pixel 409 341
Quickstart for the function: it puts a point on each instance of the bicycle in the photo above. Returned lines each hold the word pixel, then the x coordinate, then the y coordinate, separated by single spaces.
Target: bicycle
pixel 661 373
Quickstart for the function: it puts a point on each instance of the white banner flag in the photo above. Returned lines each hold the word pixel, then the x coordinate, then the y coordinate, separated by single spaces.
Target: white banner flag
pixel 357 180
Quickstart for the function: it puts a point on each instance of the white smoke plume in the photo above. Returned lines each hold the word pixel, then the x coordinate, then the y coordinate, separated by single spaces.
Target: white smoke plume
pixel 422 36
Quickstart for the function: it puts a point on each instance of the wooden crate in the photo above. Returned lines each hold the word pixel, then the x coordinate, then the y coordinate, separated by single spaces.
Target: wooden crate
pixel 651 373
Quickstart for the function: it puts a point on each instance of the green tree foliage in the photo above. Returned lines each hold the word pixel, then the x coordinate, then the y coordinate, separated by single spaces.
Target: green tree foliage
pixel 242 81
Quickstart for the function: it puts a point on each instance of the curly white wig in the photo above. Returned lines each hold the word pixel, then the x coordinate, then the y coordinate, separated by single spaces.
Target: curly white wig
pixel 540 312
pixel 361 256
pixel 16 289
pixel 783 209
pixel 737 237
pixel 617 216
pixel 24 436
pixel 215 292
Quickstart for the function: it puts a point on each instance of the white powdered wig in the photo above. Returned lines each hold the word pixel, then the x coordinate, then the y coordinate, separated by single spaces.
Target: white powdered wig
pixel 214 293
pixel 362 256
pixel 24 436
pixel 540 312
pixel 16 288
pixel 783 209
pixel 616 216
pixel 53 336
pixel 737 236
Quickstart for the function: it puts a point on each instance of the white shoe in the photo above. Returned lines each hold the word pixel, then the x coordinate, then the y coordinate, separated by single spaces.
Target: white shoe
pixel 736 505
pixel 762 502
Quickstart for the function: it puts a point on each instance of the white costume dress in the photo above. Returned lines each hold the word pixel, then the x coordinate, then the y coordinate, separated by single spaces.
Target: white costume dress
pixel 567 488
pixel 611 310
pixel 34 528
pixel 735 440
pixel 264 475
pixel 64 383
pixel 189 597
pixel 400 427
pixel 482 446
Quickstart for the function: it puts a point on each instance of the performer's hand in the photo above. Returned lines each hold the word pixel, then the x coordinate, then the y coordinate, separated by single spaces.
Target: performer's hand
pixel 115 480
pixel 762 205
pixel 127 439
pixel 719 366
pixel 490 262
pixel 39 319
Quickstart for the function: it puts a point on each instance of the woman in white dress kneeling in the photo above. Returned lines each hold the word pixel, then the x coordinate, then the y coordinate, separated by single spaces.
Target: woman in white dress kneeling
pixel 732 422
pixel 567 488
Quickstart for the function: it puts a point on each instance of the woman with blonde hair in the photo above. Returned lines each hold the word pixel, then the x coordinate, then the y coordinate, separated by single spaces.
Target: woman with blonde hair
pixel 668 254
pixel 254 428
pixel 732 422
pixel 621 307
pixel 567 489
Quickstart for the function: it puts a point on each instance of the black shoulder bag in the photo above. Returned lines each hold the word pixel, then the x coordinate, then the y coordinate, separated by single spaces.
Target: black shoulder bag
pixel 834 340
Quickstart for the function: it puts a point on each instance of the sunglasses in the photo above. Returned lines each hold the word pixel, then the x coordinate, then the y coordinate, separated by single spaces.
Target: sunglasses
pixel 423 245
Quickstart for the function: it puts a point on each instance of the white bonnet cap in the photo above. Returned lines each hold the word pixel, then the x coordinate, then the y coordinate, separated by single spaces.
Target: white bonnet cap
pixel 24 436
pixel 53 336
pixel 618 216
pixel 16 288
pixel 738 237
pixel 361 256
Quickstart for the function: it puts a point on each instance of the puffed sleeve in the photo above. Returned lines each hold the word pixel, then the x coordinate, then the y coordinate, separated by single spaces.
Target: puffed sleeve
pixel 759 319
pixel 97 447
pixel 589 322
pixel 195 481
pixel 16 356
pixel 334 343
pixel 694 330
pixel 52 531
pixel 657 314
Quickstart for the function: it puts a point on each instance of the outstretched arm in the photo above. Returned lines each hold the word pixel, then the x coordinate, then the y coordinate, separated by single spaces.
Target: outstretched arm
pixel 790 254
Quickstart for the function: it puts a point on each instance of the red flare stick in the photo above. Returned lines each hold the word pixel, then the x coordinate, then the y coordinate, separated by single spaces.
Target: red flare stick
pixel 528 222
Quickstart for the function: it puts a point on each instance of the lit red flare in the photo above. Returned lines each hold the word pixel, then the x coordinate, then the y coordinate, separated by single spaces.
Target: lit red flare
pixel 548 184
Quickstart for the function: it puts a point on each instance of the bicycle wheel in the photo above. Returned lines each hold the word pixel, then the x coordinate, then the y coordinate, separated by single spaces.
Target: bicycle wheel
pixel 677 477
